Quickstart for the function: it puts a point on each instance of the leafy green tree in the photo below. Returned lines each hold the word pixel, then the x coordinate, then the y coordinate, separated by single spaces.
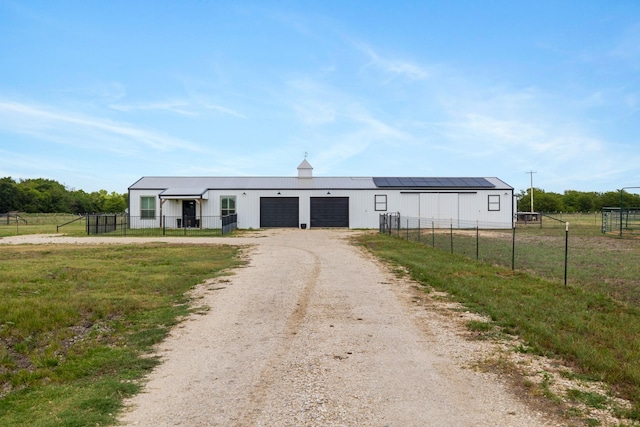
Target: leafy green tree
pixel 542 201
pixel 44 195
pixel 570 200
pixel 585 202
pixel 9 195
pixel 114 203
pixel 81 202
pixel 98 199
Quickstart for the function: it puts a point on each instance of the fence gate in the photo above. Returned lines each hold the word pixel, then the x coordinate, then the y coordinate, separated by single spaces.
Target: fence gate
pixel 101 224
pixel 389 221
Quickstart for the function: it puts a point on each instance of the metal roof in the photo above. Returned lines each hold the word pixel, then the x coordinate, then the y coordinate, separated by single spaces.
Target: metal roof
pixel 192 186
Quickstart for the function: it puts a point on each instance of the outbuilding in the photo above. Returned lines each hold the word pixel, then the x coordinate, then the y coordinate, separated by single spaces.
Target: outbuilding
pixel 306 201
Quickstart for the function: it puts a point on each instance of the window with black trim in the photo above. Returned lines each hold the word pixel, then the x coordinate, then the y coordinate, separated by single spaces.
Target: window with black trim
pixel 494 202
pixel 381 202
pixel 147 207
pixel 227 205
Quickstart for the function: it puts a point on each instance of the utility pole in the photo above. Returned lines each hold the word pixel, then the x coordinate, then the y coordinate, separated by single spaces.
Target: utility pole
pixel 531 192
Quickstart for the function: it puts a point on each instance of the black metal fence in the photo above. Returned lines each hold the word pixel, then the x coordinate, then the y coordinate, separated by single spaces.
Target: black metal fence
pixel 625 221
pixel 125 225
pixel 229 223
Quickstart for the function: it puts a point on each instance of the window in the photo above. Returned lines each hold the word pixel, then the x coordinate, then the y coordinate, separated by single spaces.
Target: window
pixel 381 202
pixel 227 205
pixel 494 202
pixel 148 207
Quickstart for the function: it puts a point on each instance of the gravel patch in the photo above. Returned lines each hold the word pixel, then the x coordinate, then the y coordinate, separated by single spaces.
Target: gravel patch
pixel 314 331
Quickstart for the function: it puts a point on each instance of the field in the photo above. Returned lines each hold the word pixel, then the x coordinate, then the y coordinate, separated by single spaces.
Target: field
pixel 597 262
pixel 42 224
pixel 73 225
pixel 77 324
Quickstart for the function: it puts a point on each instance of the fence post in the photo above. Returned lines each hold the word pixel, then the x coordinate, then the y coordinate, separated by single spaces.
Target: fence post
pixel 477 240
pixel 566 251
pixel 433 235
pixel 407 228
pixel 419 229
pixel 451 234
pixel 513 249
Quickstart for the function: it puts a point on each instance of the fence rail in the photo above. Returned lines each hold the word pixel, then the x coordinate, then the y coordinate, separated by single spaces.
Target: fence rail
pixel 11 217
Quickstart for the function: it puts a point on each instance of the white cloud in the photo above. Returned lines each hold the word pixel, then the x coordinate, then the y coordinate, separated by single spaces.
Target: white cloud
pixel 71 128
pixel 628 47
pixel 224 110
pixel 183 108
pixel 179 107
pixel 393 67
pixel 315 113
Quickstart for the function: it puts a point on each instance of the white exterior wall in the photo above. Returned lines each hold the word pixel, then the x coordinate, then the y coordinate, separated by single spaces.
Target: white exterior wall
pixel 134 207
pixel 463 208
pixel 361 205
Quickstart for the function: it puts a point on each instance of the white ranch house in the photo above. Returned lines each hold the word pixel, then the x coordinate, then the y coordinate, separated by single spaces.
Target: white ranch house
pixel 306 201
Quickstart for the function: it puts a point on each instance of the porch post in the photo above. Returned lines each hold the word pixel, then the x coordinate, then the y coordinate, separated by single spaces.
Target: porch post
pixel 161 203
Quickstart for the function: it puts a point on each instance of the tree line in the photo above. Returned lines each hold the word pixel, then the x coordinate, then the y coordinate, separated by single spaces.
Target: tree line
pixel 574 201
pixel 49 196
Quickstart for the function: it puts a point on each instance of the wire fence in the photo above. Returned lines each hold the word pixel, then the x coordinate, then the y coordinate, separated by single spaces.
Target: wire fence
pixel 577 254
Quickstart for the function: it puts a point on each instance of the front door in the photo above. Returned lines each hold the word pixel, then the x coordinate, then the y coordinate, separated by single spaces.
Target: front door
pixel 189 213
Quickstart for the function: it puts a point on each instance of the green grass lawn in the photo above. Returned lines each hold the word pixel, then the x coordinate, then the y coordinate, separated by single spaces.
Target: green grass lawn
pixel 76 324
pixel 43 224
pixel 73 225
pixel 590 330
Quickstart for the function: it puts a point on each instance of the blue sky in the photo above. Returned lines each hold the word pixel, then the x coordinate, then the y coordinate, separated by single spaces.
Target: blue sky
pixel 97 94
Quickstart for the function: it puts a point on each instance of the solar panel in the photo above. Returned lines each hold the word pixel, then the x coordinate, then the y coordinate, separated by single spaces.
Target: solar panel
pixel 426 182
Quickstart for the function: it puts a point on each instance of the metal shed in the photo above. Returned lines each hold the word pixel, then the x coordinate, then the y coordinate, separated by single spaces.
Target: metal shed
pixel 354 202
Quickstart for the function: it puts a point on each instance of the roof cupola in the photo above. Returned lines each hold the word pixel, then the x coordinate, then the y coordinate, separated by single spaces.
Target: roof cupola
pixel 305 170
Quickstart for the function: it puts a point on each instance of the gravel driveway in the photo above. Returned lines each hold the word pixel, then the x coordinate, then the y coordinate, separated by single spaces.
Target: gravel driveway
pixel 315 332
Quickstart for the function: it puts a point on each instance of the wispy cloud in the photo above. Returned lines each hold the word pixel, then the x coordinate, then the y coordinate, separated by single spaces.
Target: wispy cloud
pixel 393 67
pixel 179 107
pixel 628 47
pixel 72 128
pixel 315 113
pixel 341 125
pixel 224 110
pixel 183 108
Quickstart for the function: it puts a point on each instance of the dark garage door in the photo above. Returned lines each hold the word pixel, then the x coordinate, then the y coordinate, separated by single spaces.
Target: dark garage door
pixel 279 212
pixel 329 212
